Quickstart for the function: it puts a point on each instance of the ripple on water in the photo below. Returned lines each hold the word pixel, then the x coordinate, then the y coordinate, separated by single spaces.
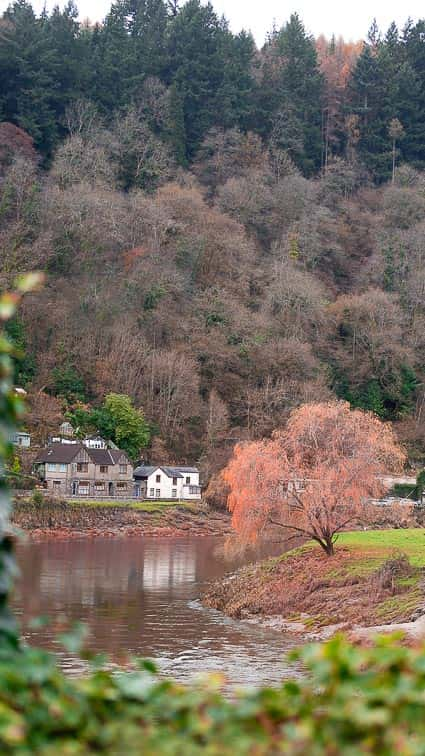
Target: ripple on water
pixel 141 596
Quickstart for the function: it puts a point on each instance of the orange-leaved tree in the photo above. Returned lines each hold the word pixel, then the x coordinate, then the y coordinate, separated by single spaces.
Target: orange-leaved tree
pixel 315 477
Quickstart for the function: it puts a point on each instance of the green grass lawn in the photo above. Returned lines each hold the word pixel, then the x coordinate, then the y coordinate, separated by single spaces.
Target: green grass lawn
pixel 359 555
pixel 144 506
pixel 382 543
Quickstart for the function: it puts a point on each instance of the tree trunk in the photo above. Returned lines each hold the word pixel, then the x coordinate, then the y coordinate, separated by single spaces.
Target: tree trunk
pixel 326 543
pixel 393 176
pixel 329 547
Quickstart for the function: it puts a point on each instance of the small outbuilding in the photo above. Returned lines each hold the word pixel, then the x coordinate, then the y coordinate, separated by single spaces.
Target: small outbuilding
pixel 21 438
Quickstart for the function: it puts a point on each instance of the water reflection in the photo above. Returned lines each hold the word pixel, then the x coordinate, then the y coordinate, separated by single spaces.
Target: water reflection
pixel 140 596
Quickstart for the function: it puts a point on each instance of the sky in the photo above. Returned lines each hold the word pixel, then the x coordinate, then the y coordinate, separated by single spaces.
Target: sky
pixel 351 20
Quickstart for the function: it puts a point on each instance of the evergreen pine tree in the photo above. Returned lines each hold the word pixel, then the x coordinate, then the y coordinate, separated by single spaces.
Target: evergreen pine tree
pixel 237 93
pixel 28 66
pixel 175 130
pixel 300 89
pixel 412 112
pixel 196 67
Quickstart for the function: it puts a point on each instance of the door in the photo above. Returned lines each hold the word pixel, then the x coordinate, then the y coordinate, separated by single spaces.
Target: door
pixel 110 488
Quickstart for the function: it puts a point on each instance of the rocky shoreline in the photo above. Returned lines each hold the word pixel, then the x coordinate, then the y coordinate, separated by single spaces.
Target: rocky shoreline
pixel 62 521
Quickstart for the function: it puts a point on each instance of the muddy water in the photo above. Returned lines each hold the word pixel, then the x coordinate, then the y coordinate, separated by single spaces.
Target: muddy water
pixel 141 596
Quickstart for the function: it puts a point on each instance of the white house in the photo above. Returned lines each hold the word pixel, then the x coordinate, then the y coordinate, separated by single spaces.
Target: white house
pixel 20 438
pixel 90 442
pixel 153 482
pixel 95 442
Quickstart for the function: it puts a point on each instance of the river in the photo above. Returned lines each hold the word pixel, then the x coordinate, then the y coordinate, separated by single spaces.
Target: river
pixel 141 596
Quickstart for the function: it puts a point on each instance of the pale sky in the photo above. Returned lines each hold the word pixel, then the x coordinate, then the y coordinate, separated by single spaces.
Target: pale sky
pixel 351 19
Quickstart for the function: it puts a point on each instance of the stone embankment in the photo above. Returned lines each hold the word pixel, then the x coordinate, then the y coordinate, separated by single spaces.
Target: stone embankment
pixel 62 520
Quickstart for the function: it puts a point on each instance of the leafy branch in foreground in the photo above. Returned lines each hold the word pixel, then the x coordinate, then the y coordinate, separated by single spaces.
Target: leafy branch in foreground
pixel 11 411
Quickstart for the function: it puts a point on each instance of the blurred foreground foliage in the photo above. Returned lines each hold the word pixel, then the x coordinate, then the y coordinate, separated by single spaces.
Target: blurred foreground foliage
pixel 351 700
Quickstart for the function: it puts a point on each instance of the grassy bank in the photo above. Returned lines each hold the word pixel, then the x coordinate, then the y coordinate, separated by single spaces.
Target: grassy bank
pixel 141 506
pixel 77 518
pixel 375 577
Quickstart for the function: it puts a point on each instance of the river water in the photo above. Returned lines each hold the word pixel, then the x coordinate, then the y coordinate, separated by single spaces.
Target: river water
pixel 141 596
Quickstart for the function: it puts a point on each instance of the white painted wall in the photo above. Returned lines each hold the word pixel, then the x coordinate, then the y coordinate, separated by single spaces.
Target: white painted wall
pixel 189 479
pixel 164 488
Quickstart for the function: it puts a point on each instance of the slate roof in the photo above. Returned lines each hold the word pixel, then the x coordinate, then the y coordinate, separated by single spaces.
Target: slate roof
pixel 100 456
pixel 172 472
pixel 58 453
pixel 65 453
pixel 144 471
pixel 116 454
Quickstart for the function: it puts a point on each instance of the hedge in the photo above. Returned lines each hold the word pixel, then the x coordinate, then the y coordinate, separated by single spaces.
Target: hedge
pixel 349 701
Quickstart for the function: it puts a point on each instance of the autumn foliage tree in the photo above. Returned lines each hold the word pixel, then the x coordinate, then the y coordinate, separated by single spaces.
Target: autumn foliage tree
pixel 314 477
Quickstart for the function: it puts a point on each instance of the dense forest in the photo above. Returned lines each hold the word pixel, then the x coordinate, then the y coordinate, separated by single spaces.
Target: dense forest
pixel 227 232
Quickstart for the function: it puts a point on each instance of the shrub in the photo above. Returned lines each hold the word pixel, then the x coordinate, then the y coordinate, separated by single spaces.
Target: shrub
pixel 68 383
pixel 37 497
pixel 404 491
pixel 395 567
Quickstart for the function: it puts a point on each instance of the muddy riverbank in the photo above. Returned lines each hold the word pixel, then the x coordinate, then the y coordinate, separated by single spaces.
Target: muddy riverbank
pixel 374 579
pixel 69 520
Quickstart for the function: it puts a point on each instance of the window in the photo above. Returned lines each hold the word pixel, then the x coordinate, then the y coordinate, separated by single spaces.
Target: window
pixel 174 481
pixel 84 487
pixel 174 493
pixel 103 468
pixel 56 484
pixel 158 479
pixel 187 480
pixel 53 467
pixel 158 493
pixel 194 489
pixel 99 485
pixel 121 485
pixel 151 492
pixel 123 469
pixel 82 467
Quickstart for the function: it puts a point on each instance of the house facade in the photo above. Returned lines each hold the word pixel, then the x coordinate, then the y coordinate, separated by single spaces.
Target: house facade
pixel 77 470
pixel 152 482
pixel 20 438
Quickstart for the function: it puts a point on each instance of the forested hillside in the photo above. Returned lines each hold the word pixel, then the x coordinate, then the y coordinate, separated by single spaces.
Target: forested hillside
pixel 227 232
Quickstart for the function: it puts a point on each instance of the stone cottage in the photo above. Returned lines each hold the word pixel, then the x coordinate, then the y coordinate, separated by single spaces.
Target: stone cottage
pixel 77 470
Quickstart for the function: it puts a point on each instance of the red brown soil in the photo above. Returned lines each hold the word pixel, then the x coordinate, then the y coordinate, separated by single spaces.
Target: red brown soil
pixel 307 586
pixel 63 521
